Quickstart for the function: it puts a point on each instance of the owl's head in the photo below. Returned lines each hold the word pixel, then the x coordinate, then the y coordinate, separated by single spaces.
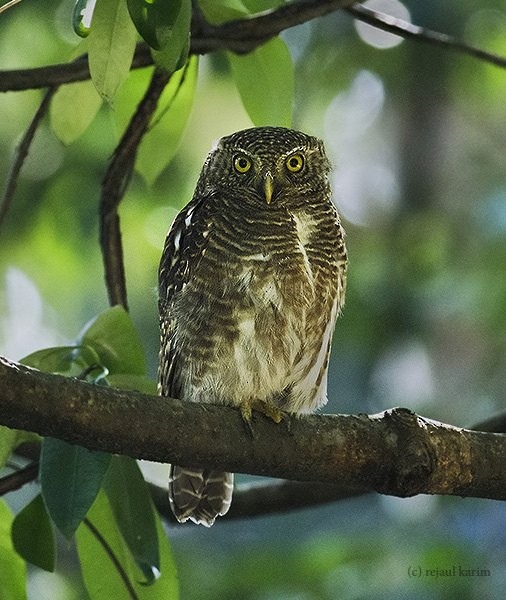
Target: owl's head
pixel 267 166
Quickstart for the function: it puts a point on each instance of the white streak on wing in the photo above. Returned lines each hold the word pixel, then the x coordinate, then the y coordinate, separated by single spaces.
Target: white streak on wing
pixel 188 218
pixel 177 239
pixel 256 257
pixel 305 226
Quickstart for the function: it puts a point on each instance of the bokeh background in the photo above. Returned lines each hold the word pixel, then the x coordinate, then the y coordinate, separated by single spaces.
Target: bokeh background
pixel 417 136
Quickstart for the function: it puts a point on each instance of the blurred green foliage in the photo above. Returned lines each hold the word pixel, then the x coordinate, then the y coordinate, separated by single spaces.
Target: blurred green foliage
pixel 417 136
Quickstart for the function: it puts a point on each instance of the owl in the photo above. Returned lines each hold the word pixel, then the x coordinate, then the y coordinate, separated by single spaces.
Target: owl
pixel 251 281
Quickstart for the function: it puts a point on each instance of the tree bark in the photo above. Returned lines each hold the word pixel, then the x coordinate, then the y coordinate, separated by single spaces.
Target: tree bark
pixel 395 452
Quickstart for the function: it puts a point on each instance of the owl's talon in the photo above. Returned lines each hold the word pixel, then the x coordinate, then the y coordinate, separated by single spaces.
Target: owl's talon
pixel 265 407
pixel 271 411
pixel 247 416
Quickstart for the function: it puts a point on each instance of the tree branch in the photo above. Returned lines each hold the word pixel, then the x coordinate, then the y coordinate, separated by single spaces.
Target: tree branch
pixel 21 154
pixel 114 186
pixel 421 34
pixel 245 35
pixel 395 452
pixel 19 478
pixel 260 499
pixel 252 499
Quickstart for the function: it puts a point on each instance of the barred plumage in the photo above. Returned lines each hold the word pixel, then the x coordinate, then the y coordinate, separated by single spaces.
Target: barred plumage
pixel 251 280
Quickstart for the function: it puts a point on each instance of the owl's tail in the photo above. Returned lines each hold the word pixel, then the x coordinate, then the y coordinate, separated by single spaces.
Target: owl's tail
pixel 198 495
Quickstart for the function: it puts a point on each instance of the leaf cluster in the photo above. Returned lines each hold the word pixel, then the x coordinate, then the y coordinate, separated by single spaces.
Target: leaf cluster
pixel 100 500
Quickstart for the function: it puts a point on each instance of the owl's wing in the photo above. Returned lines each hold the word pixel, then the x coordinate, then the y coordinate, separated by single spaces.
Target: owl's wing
pixel 181 254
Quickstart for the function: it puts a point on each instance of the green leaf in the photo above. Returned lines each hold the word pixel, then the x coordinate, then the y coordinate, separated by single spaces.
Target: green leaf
pixel 162 142
pixel 10 439
pixel 109 571
pixel 131 503
pixel 33 535
pixel 52 360
pixel 70 478
pixel 12 566
pixel 175 51
pixel 226 10
pixel 265 81
pixel 113 337
pixel 73 108
pixel 136 383
pixel 154 19
pixel 81 17
pixel 112 42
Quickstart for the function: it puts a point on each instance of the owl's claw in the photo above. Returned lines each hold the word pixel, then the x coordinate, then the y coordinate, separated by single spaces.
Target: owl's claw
pixel 265 407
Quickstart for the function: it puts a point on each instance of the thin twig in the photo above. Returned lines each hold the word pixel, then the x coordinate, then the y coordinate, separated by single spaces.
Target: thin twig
pixel 9 4
pixel 421 34
pixel 113 558
pixel 21 154
pixel 15 481
pixel 114 186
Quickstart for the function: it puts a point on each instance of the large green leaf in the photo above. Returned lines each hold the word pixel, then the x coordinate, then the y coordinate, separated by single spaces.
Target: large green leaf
pixel 70 478
pixel 52 360
pixel 265 81
pixel 33 535
pixel 113 337
pixel 109 570
pixel 131 503
pixel 73 108
pixel 162 142
pixel 112 42
pixel 12 566
pixel 175 51
pixel 154 19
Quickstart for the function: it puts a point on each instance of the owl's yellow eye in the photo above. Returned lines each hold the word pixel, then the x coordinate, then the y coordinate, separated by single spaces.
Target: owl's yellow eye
pixel 242 164
pixel 295 163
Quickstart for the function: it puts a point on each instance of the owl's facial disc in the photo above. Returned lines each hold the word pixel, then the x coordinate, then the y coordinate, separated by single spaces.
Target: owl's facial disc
pixel 268 183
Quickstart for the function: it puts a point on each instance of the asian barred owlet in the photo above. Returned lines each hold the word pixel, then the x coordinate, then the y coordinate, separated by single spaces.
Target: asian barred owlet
pixel 251 280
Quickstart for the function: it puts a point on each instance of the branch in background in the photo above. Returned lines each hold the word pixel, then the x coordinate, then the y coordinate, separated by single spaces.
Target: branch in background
pixel 21 154
pixel 267 498
pixel 114 185
pixel 244 36
pixel 421 34
pixel 395 452
pixel 495 424
pixel 250 499
pixel 19 478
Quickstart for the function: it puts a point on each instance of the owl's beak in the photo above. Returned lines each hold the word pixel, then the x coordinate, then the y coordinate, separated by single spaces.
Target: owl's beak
pixel 268 186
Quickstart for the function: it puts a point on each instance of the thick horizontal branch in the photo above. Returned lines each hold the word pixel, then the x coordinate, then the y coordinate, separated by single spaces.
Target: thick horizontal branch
pixel 243 36
pixel 396 452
